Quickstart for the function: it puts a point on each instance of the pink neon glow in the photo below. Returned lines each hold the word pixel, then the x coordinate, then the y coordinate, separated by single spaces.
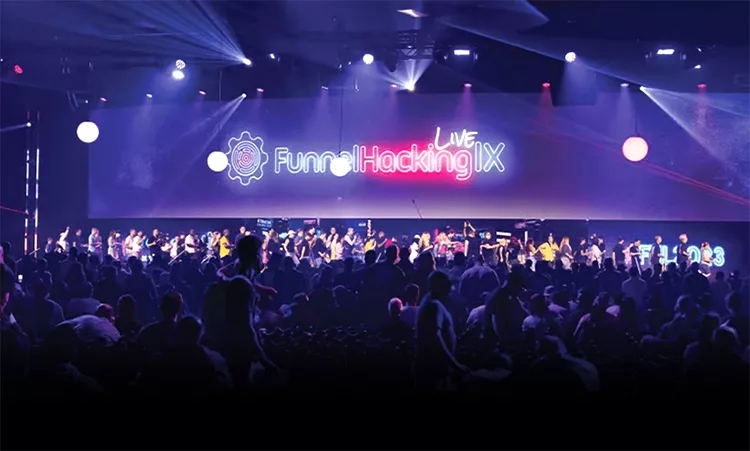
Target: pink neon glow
pixel 259 89
pixel 18 69
pixel 702 86
pixel 635 148
pixel 467 85
pixel 545 85
pixel 394 86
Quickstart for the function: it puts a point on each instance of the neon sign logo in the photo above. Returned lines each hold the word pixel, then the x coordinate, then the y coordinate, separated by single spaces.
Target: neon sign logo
pixel 246 158
pixel 693 251
pixel 455 153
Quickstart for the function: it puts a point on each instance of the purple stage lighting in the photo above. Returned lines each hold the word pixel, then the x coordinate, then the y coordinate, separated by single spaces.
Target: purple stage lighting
pixel 201 92
pixel 324 88
pixel 178 74
pixel 150 96
pixel 368 58
pixel 102 99
pixel 624 85
pixel 570 57
pixel 467 85
pixel 545 85
pixel 179 64
pixel 259 89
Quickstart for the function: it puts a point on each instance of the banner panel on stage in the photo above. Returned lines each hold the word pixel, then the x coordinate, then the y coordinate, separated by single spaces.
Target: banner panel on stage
pixel 402 156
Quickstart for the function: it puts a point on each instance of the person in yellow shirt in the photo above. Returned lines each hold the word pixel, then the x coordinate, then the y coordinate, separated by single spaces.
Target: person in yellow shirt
pixel 224 247
pixel 549 249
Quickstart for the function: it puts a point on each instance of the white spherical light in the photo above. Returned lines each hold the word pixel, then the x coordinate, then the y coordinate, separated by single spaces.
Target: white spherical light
pixel 87 132
pixel 635 148
pixel 217 161
pixel 340 166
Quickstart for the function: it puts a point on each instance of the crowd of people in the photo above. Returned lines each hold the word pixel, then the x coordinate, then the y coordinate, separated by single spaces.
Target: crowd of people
pixel 84 326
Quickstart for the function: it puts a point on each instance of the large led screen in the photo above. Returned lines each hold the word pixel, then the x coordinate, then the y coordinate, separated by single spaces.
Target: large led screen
pixel 403 156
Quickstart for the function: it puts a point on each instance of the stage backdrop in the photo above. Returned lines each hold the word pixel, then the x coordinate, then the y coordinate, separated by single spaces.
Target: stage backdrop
pixel 407 156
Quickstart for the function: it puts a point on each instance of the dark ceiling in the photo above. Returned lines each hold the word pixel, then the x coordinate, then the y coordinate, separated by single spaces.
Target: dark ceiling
pixel 311 34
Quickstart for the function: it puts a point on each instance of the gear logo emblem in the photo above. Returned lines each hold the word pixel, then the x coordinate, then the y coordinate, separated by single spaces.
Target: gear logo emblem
pixel 246 158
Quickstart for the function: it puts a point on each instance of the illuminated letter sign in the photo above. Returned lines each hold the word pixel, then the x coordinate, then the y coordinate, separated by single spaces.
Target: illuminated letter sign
pixel 693 251
pixel 459 154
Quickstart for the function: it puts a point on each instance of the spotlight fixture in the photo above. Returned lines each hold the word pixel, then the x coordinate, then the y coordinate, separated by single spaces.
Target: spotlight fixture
pixel 102 99
pixel 467 85
pixel 411 13
pixel 259 90
pixel 324 88
pixel 624 85
pixel 244 95
pixel 18 69
pixel 697 66
pixel 28 124
pixel 409 86
pixel 394 86
pixel 461 52
pixel 702 86
pixel 178 74
pixel 368 58
pixel 545 84
pixel 246 61
pixel 201 92
pixel 272 56
pixel 570 57
pixel 150 96
pixel 179 64
pixel 665 52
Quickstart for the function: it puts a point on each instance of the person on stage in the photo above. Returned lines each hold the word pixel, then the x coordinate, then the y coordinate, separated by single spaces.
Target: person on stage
pixel 349 241
pixel 618 252
pixel 191 243
pixel 654 254
pixel 635 255
pixel 225 248
pixel 582 252
pixel 488 248
pixel 471 240
pixel 138 245
pixel 78 241
pixel 549 249
pixel 112 245
pixel 425 242
pixel 239 236
pixel 153 243
pixel 529 250
pixel 62 243
pixel 683 255
pixel 595 252
pixel 129 243
pixel 707 258
pixel 95 242
pixel 566 252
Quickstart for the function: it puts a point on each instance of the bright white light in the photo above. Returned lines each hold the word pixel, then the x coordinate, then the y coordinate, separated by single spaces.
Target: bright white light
pixel 340 166
pixel 150 96
pixel 697 66
pixel 635 148
pixel 461 52
pixel 412 13
pixel 179 64
pixel 570 57
pixel 624 85
pixel 217 161
pixel 28 124
pixel 272 56
pixel 201 92
pixel 665 52
pixel 87 132
pixel 368 59
pixel 246 61
pixel 178 74
pixel 244 95
pixel 409 86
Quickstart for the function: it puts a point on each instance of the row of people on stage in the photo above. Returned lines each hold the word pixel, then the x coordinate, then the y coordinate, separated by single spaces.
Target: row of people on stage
pixel 332 245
